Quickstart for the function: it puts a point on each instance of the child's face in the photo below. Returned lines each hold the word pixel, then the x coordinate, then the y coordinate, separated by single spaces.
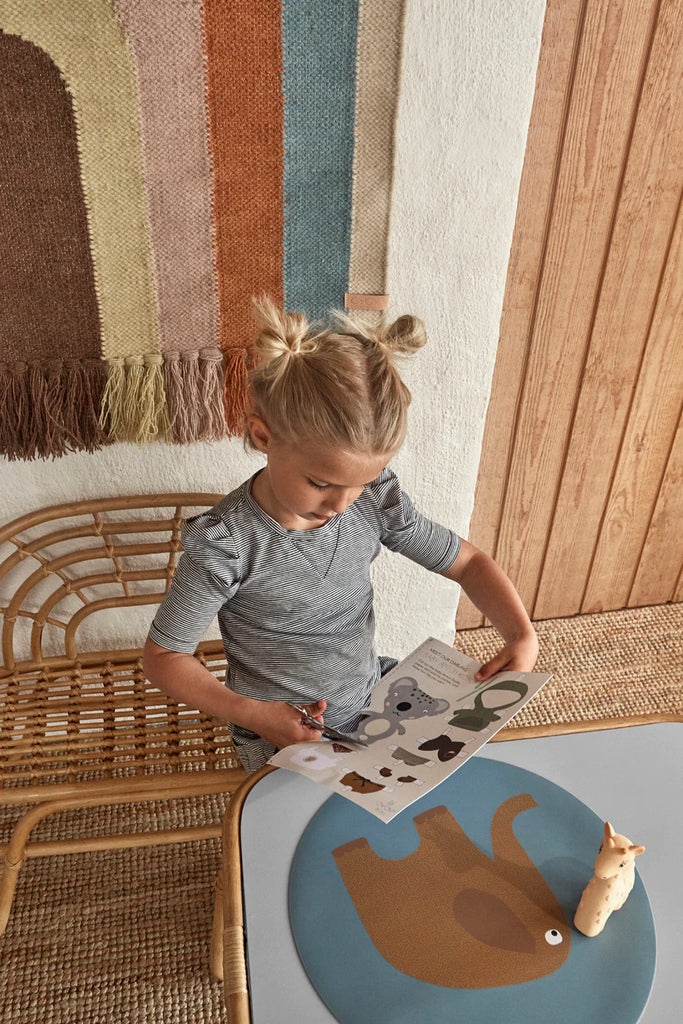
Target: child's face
pixel 303 487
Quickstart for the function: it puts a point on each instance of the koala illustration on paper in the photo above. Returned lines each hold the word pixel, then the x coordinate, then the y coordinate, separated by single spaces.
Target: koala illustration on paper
pixel 404 701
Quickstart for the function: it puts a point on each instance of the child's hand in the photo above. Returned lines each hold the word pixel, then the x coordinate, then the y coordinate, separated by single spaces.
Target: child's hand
pixel 517 656
pixel 281 725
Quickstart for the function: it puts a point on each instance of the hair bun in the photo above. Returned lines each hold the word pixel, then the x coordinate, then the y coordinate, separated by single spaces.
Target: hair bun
pixel 280 333
pixel 407 334
pixel 402 337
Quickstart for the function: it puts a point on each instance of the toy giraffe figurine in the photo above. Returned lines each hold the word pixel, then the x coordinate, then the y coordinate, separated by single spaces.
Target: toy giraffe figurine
pixel 612 881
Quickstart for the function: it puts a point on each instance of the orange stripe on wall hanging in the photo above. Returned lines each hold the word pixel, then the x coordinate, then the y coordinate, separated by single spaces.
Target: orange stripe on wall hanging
pixel 244 95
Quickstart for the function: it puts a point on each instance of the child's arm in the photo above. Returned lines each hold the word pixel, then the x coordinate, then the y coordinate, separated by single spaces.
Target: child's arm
pixel 185 680
pixel 492 592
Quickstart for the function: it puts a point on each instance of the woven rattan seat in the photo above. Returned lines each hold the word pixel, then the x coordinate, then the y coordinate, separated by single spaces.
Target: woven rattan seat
pixel 84 728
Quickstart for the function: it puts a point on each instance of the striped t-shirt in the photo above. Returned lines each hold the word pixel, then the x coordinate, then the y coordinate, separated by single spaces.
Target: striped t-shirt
pixel 294 607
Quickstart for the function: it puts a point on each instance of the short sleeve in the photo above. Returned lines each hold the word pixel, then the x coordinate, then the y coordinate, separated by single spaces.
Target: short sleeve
pixel 207 576
pixel 404 529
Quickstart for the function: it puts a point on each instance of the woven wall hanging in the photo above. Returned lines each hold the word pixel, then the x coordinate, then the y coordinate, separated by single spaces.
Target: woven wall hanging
pixel 160 163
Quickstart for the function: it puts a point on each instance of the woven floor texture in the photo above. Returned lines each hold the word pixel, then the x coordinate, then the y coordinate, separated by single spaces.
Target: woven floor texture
pixel 607 665
pixel 122 937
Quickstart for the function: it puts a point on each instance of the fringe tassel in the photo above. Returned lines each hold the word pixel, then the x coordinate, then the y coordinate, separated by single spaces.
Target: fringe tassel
pixel 42 438
pixel 194 392
pixel 84 388
pixel 134 402
pixel 235 389
pixel 14 411
pixel 47 410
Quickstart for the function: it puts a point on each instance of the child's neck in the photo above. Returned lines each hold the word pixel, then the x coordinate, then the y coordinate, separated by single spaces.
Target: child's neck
pixel 262 494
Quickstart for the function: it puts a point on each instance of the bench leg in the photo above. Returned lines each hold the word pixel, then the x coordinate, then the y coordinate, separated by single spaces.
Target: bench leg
pixel 216 948
pixel 8 885
pixel 15 851
pixel 15 856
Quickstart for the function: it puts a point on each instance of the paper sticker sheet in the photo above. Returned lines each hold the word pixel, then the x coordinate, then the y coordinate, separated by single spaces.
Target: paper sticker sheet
pixel 426 717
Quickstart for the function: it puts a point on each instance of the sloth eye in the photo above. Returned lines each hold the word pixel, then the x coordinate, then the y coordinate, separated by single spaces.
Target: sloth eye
pixel 553 937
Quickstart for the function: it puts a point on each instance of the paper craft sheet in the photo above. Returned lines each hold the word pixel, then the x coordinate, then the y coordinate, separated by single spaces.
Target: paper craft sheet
pixel 426 717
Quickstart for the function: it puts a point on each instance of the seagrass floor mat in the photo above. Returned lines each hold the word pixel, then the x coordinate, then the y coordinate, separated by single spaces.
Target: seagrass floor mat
pixel 607 665
pixel 117 936
pixel 121 937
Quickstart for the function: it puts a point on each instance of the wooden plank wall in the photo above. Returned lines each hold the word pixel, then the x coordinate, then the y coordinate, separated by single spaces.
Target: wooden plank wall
pixel 580 488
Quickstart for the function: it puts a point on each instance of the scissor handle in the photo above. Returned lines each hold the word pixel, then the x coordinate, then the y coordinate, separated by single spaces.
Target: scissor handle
pixel 326 731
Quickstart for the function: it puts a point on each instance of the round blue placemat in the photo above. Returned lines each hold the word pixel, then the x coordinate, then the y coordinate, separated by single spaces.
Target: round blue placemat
pixel 604 978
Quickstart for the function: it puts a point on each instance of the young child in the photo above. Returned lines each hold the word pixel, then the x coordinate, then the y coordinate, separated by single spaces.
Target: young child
pixel 284 560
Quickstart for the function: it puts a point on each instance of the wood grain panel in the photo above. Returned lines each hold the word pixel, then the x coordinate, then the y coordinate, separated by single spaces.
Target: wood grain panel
pixel 628 293
pixel 644 454
pixel 608 77
pixel 580 491
pixel 555 74
pixel 659 570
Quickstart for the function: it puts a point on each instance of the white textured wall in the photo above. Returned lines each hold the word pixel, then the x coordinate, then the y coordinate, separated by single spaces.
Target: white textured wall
pixel 469 73
pixel 468 82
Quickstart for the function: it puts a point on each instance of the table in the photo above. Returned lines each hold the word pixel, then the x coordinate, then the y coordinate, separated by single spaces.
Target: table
pixel 633 776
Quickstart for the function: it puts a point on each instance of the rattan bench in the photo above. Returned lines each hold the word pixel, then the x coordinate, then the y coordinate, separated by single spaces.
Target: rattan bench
pixel 82 728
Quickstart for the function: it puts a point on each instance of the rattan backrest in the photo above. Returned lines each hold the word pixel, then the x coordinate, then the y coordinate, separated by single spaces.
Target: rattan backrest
pixel 46 566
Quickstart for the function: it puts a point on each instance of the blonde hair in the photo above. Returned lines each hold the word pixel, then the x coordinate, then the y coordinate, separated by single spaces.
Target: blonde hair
pixel 336 387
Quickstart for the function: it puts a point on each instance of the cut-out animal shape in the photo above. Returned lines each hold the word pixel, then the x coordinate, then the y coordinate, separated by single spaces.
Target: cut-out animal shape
pixel 445 747
pixel 359 784
pixel 387 773
pixel 450 915
pixel 307 757
pixel 477 718
pixel 612 881
pixel 412 760
pixel 405 700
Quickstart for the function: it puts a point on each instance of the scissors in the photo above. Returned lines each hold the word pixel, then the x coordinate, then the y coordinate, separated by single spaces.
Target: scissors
pixel 325 730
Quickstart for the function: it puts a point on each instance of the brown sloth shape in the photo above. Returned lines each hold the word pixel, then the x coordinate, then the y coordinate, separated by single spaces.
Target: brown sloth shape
pixel 450 915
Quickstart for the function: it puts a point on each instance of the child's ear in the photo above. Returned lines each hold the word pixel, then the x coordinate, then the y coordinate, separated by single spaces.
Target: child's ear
pixel 260 432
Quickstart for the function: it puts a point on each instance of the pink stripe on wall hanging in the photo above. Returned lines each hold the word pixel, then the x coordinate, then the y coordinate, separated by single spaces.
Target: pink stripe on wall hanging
pixel 166 41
